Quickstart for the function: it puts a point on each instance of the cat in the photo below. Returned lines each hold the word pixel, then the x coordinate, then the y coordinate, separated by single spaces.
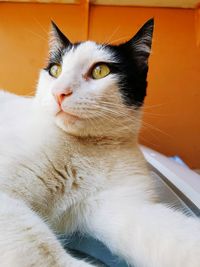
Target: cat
pixel 70 161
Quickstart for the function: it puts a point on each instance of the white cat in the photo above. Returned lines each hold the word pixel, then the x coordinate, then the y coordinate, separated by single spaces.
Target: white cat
pixel 69 161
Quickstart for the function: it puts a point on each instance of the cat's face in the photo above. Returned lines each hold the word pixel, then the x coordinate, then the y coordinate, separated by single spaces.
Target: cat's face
pixel 93 89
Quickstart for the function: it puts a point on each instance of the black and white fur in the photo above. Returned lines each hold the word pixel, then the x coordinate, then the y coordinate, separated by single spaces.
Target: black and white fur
pixel 77 166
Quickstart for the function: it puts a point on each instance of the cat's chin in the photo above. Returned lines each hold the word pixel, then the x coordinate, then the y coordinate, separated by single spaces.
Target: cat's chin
pixel 67 118
pixel 69 123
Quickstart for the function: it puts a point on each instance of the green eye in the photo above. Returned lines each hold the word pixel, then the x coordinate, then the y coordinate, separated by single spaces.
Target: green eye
pixel 55 70
pixel 100 71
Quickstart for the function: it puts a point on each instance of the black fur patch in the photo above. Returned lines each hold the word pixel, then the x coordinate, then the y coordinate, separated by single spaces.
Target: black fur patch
pixel 132 66
pixel 131 79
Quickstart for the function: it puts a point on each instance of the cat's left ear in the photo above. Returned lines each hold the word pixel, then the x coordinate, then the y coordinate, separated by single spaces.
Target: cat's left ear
pixel 140 45
pixel 58 41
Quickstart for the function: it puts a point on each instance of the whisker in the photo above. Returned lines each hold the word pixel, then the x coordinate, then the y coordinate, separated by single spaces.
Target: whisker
pixel 155 128
pixel 40 25
pixel 155 114
pixel 124 38
pixel 38 35
pixel 118 114
pixel 112 34
pixel 153 106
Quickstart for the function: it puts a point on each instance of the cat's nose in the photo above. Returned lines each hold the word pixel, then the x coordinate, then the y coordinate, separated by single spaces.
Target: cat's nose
pixel 61 95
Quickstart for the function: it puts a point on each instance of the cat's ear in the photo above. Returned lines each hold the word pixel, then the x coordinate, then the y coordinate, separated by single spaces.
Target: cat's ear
pixel 140 45
pixel 58 41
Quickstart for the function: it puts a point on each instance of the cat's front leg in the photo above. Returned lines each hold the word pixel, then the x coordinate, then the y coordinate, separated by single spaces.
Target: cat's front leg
pixel 145 234
pixel 26 241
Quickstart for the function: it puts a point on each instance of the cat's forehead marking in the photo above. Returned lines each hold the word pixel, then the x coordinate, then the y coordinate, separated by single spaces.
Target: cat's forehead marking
pixel 87 53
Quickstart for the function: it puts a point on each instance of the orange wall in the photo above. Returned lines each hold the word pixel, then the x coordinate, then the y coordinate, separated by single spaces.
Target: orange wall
pixel 24 39
pixel 172 112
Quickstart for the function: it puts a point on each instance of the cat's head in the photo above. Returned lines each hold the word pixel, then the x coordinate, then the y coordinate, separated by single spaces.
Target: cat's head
pixel 96 89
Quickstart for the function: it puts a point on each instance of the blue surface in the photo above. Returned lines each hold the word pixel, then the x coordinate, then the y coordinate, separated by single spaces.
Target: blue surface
pixel 86 247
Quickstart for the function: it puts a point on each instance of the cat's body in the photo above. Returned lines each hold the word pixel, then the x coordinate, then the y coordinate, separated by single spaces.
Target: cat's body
pixel 86 176
pixel 57 162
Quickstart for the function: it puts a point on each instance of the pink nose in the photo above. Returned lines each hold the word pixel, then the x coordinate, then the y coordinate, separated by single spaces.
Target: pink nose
pixel 61 95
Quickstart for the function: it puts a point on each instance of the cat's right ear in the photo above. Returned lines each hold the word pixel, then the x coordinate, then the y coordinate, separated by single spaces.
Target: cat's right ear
pixel 139 47
pixel 58 41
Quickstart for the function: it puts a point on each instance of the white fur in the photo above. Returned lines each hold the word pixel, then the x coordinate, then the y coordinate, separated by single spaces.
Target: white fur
pixel 90 177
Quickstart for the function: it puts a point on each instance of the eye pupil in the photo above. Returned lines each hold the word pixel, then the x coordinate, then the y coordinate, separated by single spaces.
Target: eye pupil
pixel 99 71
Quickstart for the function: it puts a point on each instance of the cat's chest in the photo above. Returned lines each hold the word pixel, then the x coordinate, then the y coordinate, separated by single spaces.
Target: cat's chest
pixel 74 179
pixel 79 174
